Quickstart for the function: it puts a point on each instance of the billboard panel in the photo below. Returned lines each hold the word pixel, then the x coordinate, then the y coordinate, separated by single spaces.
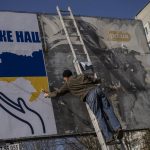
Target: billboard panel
pixel 23 109
pixel 119 54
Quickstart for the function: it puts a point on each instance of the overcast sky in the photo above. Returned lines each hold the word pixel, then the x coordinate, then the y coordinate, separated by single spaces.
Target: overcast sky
pixel 104 8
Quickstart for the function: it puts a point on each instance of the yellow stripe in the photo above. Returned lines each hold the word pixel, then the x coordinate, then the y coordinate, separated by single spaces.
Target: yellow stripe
pixel 37 82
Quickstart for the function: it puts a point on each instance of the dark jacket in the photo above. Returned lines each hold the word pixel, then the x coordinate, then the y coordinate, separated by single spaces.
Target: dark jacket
pixel 77 85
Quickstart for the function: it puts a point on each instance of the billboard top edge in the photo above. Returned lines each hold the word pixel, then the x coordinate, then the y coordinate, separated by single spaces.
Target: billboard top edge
pixel 46 13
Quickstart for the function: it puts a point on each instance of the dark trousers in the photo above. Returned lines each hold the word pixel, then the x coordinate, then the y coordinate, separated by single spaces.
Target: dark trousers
pixel 103 112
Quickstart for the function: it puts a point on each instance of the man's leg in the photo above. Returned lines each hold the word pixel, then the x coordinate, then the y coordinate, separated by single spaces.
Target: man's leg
pixel 108 109
pixel 112 119
pixel 92 100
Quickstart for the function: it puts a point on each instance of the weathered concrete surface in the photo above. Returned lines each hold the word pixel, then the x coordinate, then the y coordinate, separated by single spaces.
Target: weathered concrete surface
pixel 118 50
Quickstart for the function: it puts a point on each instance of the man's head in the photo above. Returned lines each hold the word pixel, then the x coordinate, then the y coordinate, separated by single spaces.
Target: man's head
pixel 67 74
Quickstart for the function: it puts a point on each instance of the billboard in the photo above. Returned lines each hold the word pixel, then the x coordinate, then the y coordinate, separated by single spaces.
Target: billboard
pixel 23 109
pixel 119 53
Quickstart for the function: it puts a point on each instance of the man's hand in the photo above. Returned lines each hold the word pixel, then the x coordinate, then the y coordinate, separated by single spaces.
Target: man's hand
pixel 46 93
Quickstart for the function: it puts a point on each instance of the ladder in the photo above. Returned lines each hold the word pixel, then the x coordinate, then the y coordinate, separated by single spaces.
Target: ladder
pixel 84 53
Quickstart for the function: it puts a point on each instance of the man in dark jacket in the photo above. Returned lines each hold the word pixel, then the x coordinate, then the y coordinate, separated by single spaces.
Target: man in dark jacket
pixel 86 88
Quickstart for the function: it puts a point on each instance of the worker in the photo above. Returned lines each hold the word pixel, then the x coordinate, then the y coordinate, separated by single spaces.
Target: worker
pixel 85 87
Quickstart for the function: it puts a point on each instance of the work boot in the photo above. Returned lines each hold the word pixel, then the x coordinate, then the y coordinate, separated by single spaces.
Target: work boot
pixel 119 134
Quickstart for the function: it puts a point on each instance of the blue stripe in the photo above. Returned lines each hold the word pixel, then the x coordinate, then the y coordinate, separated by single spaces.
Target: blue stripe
pixel 13 65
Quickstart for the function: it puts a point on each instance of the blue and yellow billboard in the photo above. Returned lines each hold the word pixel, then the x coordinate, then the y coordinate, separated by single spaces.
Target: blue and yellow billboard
pixel 23 109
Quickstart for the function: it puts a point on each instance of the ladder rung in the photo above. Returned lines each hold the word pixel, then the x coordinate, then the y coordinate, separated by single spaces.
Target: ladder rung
pixel 68 27
pixel 79 44
pixel 114 143
pixel 68 19
pixel 65 11
pixel 81 54
pixel 85 33
pixel 74 35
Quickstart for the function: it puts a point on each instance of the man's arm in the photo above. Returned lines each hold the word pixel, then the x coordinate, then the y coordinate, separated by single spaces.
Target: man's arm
pixel 93 78
pixel 102 82
pixel 58 92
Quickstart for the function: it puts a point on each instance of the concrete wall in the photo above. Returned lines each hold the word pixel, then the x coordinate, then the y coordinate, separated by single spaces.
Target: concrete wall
pixel 144 16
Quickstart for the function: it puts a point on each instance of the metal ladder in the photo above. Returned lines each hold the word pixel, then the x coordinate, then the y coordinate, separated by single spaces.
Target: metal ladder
pixel 83 51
